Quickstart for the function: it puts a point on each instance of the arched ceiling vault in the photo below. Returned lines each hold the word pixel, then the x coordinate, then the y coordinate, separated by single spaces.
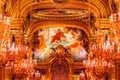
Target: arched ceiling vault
pixel 55 23
pixel 22 7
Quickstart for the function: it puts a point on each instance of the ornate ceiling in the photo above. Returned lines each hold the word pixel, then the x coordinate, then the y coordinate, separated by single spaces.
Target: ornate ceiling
pixel 101 8
pixel 35 13
pixel 25 6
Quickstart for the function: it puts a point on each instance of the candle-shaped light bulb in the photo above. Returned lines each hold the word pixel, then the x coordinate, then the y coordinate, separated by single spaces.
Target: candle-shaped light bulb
pixel 7 20
pixel 9 45
pixel 118 15
pixel 26 48
pixel 0 18
pixel 118 49
pixel 16 50
pixel 13 48
pixel 111 18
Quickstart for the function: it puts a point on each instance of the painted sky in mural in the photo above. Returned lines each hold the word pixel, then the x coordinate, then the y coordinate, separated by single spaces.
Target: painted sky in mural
pixel 47 38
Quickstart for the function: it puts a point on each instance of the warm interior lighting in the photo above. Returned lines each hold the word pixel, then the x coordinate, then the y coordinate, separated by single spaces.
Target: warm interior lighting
pixel 101 57
pixel 102 53
pixel 115 27
pixel 15 57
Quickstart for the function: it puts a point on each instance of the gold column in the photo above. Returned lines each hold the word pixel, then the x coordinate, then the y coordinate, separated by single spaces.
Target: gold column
pixel 49 73
pixel 70 75
pixel 3 73
pixel 16 29
pixel 16 23
pixel 103 24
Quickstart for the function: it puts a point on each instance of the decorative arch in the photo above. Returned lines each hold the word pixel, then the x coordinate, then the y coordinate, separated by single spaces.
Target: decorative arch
pixel 61 60
pixel 65 56
pixel 42 24
pixel 97 7
pixel 67 60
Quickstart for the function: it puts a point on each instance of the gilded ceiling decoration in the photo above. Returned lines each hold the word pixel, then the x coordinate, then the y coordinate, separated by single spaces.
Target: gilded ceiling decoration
pixel 61 34
pixel 60 2
pixel 34 11
pixel 63 13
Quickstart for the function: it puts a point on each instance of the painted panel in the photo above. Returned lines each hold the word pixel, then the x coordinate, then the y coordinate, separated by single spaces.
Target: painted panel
pixel 47 38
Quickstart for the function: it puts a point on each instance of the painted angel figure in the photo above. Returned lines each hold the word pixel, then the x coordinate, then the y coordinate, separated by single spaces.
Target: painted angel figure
pixel 78 51
pixel 58 36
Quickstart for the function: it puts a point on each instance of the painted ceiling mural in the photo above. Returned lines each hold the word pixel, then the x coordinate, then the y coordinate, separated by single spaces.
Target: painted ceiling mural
pixel 47 38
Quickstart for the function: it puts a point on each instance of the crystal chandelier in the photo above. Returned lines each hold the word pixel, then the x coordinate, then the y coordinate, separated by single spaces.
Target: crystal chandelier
pixel 115 19
pixel 101 57
pixel 115 27
pixel 105 51
pixel 15 57
pixel 4 36
pixel 98 68
pixel 19 65
pixel 36 75
pixel 115 24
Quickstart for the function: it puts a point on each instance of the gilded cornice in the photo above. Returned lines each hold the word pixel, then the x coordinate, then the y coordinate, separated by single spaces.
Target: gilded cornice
pixel 23 8
pixel 98 8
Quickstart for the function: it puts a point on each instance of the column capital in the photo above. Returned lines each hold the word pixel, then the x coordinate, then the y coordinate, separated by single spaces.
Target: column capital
pixel 16 23
pixel 103 23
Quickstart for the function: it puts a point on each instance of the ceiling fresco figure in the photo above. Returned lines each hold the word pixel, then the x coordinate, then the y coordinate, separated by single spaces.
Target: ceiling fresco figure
pixel 72 38
pixel 58 36
pixel 61 32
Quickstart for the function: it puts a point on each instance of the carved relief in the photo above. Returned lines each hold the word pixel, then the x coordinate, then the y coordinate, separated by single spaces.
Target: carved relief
pixel 60 2
pixel 60 67
pixel 60 53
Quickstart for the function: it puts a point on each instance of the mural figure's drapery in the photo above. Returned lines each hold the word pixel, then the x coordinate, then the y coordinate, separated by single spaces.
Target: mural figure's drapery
pixel 47 38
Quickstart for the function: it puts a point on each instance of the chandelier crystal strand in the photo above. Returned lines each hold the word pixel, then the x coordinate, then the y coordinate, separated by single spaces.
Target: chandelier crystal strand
pixel 20 65
pixel 4 36
pixel 115 24
pixel 100 60
pixel 115 27
pixel 14 57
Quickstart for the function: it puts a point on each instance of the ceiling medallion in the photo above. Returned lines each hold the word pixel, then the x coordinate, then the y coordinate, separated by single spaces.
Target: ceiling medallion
pixel 60 2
